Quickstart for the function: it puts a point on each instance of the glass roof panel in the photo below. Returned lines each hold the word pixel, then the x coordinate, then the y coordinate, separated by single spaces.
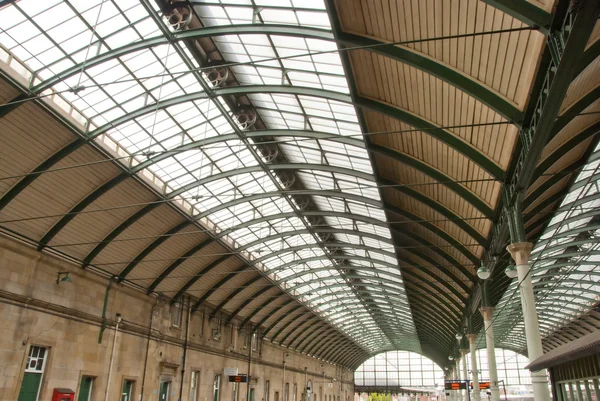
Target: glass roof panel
pixel 155 107
pixel 564 263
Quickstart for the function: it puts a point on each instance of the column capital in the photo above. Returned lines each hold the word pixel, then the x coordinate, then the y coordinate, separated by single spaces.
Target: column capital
pixel 520 252
pixel 464 351
pixel 472 337
pixel 487 312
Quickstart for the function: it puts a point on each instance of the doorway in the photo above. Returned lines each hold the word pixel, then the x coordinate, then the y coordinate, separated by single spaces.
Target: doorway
pixel 127 390
pixel 163 393
pixel 34 371
pixel 85 388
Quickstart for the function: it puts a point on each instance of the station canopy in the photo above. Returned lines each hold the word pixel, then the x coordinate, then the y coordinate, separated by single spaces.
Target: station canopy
pixel 328 173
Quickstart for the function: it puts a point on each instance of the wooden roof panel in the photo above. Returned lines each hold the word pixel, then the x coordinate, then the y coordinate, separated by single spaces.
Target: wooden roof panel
pixel 190 267
pixel 22 127
pixel 52 195
pixel 508 69
pixel 163 256
pixel 201 286
pixel 584 83
pixel 97 220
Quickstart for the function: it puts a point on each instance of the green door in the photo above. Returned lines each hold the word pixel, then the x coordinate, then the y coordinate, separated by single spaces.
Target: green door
pixel 126 393
pixel 30 386
pixel 164 391
pixel 251 396
pixel 85 388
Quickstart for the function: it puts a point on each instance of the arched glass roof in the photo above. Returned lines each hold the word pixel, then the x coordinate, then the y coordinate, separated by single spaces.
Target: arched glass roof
pixel 565 266
pixel 268 156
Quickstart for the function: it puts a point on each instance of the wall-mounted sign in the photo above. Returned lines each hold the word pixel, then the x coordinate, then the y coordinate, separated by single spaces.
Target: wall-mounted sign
pixel 455 385
pixel 230 371
pixel 238 379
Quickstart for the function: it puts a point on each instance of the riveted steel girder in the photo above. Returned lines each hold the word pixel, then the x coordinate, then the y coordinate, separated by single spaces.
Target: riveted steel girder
pixel 436 174
pixel 289 315
pixel 233 294
pixel 438 207
pixel 445 136
pixel 250 299
pixel 199 275
pixel 525 12
pixel 216 286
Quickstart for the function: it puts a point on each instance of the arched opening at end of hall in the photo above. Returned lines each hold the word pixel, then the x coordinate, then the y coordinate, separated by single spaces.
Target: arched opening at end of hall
pixel 405 376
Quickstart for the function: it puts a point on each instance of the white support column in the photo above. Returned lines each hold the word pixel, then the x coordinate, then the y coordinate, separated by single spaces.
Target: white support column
pixel 465 376
pixel 488 313
pixel 476 393
pixel 458 392
pixel 520 252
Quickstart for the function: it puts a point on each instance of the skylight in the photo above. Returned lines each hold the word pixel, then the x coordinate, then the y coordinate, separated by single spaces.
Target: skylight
pixel 155 106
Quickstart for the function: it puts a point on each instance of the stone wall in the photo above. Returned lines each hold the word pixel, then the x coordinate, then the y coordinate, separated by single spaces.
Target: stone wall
pixel 67 318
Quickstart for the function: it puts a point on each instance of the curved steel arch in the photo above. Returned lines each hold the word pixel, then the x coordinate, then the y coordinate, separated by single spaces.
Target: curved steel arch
pixel 252 298
pixel 309 318
pixel 163 237
pixel 434 229
pixel 438 281
pixel 287 316
pixel 216 286
pixel 436 265
pixel 449 302
pixel 262 306
pixel 435 68
pixel 438 207
pixel 229 297
pixel 435 174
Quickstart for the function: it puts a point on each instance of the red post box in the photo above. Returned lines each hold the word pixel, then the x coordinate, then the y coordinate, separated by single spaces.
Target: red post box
pixel 63 394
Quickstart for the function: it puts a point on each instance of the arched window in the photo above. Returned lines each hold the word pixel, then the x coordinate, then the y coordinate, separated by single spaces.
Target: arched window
pixel 398 368
pixel 510 366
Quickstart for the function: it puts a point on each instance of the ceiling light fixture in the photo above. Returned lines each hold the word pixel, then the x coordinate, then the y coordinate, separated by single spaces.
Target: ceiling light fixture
pixel 511 271
pixel 483 272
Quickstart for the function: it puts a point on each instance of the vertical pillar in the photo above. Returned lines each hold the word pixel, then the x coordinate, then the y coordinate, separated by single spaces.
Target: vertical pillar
pixel 520 252
pixel 465 376
pixel 476 394
pixel 488 312
pixel 458 377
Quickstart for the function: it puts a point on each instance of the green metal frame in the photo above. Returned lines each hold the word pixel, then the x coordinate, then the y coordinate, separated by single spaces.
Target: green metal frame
pixel 289 315
pixel 252 298
pixel 437 206
pixel 232 295
pixel 435 174
pixel 525 12
pixel 443 135
pixel 199 275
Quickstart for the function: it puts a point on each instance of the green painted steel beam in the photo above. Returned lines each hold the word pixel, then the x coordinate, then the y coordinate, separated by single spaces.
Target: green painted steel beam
pixel 439 267
pixel 434 229
pixel 261 307
pixel 439 281
pixel 272 313
pixel 286 325
pixel 438 207
pixel 216 286
pixel 177 262
pixel 252 297
pixel 439 70
pixel 198 276
pixel 525 12
pixel 229 297
pixel 436 175
pixel 440 251
pixel 443 135
pixel 453 307
pixel 288 315
pixel 145 252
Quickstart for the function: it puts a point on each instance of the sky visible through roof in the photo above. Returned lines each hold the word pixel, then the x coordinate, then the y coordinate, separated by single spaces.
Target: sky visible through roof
pixel 223 182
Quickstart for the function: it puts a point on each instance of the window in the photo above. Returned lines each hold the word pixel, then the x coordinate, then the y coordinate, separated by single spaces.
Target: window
pixel 246 337
pixel 85 388
pixel 286 393
pixel 255 343
pixel 267 390
pixel 216 331
pixel 176 311
pixel 194 385
pixel 216 387
pixel 295 393
pixel 36 360
pixel 398 368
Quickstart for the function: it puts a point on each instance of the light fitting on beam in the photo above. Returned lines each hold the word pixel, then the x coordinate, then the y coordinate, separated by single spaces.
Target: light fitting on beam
pixel 483 272
pixel 459 336
pixel 511 271
pixel 63 277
